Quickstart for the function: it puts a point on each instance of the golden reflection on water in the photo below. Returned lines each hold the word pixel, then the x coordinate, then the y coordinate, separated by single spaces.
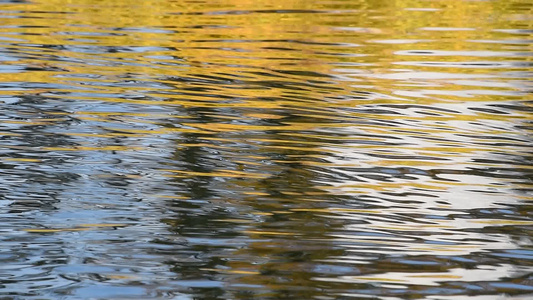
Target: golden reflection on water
pixel 277 150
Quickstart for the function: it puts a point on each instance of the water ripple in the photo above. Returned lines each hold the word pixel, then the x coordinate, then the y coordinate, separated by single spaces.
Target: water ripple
pixel 288 150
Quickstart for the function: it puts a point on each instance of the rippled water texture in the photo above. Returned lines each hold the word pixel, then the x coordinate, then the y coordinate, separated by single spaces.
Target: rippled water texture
pixel 275 149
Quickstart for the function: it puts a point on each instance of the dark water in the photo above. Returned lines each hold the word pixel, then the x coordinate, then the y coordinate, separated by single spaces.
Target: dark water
pixel 269 149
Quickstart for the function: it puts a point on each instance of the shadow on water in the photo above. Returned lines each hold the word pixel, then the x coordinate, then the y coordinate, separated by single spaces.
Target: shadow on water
pixel 288 150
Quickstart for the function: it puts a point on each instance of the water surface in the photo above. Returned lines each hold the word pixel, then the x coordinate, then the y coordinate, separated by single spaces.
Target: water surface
pixel 271 149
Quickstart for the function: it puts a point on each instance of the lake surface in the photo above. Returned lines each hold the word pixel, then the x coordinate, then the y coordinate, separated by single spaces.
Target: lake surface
pixel 275 149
